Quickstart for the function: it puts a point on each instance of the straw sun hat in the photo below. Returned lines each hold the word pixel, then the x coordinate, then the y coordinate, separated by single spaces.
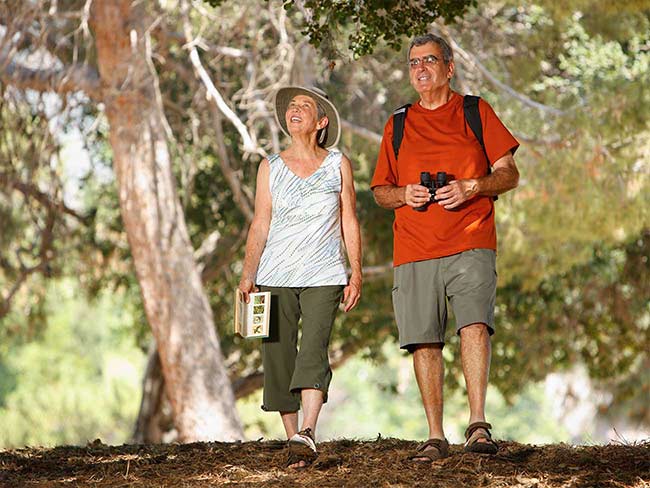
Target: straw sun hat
pixel 284 96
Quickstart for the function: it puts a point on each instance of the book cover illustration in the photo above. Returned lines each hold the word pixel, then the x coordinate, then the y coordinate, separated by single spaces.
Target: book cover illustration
pixel 252 318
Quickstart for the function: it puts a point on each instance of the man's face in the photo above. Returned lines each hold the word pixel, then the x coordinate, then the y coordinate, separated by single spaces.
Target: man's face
pixel 302 115
pixel 429 76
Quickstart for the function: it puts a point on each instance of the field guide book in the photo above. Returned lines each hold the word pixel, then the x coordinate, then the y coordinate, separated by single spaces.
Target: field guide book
pixel 252 318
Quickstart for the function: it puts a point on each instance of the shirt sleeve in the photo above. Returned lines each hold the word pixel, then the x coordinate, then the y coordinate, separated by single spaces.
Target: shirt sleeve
pixel 497 138
pixel 386 168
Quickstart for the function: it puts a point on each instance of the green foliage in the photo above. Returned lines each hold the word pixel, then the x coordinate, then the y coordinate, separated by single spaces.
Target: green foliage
pixel 79 380
pixel 32 231
pixel 365 25
pixel 375 21
pixel 613 20
pixel 596 314
pixel 584 170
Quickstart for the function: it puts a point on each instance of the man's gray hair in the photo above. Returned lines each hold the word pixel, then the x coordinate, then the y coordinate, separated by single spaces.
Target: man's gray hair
pixel 447 53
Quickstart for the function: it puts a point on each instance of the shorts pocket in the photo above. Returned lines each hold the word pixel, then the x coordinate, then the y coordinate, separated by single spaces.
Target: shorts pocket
pixel 396 280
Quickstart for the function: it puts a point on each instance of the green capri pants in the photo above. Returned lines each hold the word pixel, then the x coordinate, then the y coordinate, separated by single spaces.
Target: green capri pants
pixel 287 369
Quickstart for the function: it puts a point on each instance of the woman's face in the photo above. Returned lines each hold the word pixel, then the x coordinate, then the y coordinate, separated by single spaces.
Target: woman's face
pixel 302 116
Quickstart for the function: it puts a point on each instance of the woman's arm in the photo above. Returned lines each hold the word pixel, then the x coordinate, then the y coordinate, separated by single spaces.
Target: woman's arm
pixel 258 231
pixel 351 235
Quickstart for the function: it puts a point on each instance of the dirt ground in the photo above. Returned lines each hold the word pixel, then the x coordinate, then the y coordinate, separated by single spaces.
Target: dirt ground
pixel 341 463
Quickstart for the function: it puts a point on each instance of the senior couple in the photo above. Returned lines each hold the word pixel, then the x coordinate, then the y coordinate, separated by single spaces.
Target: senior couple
pixel 444 245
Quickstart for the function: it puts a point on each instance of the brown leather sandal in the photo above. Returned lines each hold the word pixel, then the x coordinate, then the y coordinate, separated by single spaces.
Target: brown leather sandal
pixel 439 449
pixel 477 431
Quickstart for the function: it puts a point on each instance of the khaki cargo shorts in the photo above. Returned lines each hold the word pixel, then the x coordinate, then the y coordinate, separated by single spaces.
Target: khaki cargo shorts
pixel 466 280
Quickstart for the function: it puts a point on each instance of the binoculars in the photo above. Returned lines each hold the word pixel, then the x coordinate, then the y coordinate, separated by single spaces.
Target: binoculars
pixel 432 185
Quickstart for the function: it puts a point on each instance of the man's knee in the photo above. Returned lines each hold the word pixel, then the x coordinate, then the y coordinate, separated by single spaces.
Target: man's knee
pixel 431 350
pixel 433 346
pixel 474 331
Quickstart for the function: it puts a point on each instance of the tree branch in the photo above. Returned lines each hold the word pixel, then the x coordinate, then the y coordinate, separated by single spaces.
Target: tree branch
pixel 247 385
pixel 249 144
pixel 361 131
pixel 212 263
pixel 238 195
pixel 554 141
pixel 208 246
pixel 45 254
pixel 32 191
pixel 5 306
pixel 64 80
pixel 373 272
pixel 474 62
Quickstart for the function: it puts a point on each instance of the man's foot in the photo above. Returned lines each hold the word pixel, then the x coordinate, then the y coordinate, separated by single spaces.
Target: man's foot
pixel 430 450
pixel 479 439
pixel 302 449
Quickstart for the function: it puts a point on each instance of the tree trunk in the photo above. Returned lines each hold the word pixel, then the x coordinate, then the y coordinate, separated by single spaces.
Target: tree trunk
pixel 155 422
pixel 174 300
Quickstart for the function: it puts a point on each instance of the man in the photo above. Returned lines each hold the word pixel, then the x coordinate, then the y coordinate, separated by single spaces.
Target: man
pixel 447 251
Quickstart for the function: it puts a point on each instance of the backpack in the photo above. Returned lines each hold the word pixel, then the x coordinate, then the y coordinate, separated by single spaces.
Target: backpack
pixel 472 116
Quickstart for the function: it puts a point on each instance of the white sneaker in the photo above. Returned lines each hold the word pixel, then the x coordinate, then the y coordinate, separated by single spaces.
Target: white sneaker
pixel 303 438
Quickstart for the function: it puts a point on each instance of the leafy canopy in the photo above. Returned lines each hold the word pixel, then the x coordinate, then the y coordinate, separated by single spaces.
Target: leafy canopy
pixel 369 22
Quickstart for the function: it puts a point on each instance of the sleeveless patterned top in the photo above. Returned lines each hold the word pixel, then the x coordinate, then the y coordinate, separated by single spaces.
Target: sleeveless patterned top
pixel 304 246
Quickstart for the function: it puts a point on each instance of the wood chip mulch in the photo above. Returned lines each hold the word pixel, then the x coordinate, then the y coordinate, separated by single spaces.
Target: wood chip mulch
pixel 341 463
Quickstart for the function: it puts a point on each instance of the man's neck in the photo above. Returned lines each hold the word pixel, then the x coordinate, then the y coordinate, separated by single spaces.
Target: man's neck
pixel 435 99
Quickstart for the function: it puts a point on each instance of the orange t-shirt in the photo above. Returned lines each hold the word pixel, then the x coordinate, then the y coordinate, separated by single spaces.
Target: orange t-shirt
pixel 441 140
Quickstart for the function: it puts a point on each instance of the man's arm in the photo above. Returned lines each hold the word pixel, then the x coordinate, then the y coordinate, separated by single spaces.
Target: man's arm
pixel 391 197
pixel 351 235
pixel 504 177
pixel 258 231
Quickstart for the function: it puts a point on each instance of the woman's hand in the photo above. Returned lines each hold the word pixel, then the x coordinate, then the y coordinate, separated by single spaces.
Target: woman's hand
pixel 246 286
pixel 351 294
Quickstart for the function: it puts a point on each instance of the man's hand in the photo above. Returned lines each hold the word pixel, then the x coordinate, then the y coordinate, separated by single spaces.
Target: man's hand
pixel 247 286
pixel 416 195
pixel 456 193
pixel 351 294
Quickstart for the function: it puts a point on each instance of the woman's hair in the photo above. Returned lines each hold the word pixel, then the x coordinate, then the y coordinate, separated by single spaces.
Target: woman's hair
pixel 447 53
pixel 321 135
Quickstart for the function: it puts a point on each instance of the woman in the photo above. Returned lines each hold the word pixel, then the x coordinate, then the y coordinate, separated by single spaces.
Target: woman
pixel 304 213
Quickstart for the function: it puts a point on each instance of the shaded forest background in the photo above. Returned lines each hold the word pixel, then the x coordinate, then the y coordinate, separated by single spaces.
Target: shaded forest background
pixel 130 134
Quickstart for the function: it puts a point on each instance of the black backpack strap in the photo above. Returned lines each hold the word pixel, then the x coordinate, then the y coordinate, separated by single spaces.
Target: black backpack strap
pixel 473 118
pixel 399 119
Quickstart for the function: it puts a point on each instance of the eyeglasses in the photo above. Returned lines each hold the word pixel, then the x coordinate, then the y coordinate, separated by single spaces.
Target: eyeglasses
pixel 428 60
